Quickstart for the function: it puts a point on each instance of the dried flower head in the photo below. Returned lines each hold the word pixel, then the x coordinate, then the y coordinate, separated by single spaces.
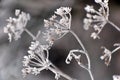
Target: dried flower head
pixel 36 61
pixel 96 18
pixel 15 26
pixel 57 27
pixel 107 56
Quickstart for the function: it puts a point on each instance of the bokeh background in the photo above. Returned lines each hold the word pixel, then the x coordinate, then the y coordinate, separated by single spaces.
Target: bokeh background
pixel 11 54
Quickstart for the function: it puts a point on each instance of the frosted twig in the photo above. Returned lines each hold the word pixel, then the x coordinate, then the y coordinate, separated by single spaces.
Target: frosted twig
pixel 30 34
pixel 115 26
pixel 86 54
pixel 108 54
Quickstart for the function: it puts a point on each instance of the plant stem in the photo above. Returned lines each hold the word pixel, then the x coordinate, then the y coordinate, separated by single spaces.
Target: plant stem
pixel 56 70
pixel 86 53
pixel 91 75
pixel 81 44
pixel 115 26
pixel 29 33
pixel 115 49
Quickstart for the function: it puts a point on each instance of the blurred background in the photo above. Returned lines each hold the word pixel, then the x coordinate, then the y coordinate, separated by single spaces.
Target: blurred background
pixel 11 54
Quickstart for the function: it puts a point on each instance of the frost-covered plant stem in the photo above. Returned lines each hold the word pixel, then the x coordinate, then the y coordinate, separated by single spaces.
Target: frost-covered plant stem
pixel 30 34
pixel 60 72
pixel 115 26
pixel 86 54
pixel 116 49
pixel 52 68
pixel 66 27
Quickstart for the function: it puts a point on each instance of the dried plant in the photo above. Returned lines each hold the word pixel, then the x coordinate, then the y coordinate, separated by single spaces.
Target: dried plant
pixel 16 26
pixel 56 27
pixel 108 54
pixel 38 53
pixel 37 59
pixel 97 19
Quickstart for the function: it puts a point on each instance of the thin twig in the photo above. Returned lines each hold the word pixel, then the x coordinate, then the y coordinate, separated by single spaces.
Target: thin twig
pixel 81 44
pixel 29 33
pixel 55 69
pixel 115 26
pixel 115 50
pixel 86 53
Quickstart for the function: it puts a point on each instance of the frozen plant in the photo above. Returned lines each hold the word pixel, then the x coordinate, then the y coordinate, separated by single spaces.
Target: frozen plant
pixel 98 18
pixel 37 59
pixel 56 27
pixel 61 27
pixel 108 54
pixel 16 26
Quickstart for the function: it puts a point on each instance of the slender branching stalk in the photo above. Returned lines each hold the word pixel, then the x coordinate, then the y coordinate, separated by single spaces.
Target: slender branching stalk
pixel 86 54
pixel 30 34
pixel 115 26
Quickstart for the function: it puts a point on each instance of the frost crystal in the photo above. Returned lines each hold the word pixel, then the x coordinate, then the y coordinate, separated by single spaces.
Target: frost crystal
pixel 96 18
pixel 15 26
